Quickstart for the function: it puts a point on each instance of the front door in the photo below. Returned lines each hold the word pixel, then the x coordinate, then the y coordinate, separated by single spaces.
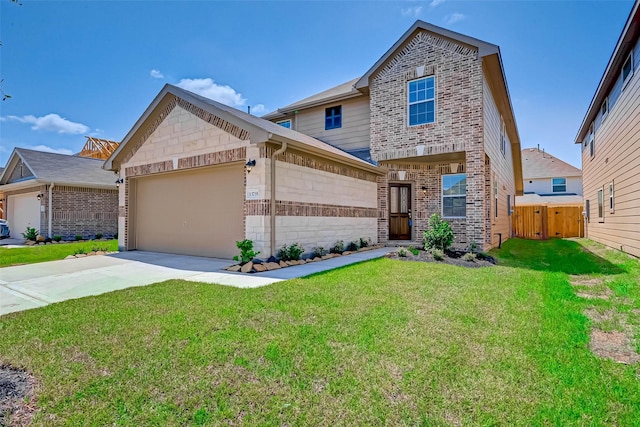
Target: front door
pixel 399 211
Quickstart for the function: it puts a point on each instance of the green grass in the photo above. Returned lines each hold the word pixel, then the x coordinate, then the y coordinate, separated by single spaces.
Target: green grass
pixel 41 253
pixel 379 343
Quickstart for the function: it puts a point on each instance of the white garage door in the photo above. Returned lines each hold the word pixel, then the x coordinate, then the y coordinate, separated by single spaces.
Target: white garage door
pixel 23 211
pixel 197 212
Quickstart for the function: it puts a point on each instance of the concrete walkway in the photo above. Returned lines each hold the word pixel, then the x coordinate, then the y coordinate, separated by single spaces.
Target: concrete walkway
pixel 35 285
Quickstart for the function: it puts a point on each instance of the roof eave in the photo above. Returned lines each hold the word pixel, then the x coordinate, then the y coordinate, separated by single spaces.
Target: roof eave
pixel 284 112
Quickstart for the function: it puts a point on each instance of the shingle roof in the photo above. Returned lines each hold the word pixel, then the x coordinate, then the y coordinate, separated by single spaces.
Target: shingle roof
pixel 538 164
pixel 62 168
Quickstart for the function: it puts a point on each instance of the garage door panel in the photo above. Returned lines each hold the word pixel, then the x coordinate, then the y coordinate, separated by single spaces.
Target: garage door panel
pixel 195 213
pixel 23 212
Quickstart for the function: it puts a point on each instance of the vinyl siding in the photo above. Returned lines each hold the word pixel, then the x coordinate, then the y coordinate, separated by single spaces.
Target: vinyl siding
pixel 353 134
pixel 501 165
pixel 545 185
pixel 617 159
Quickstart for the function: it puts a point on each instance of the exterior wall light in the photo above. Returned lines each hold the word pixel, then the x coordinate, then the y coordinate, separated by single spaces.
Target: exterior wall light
pixel 424 190
pixel 40 196
pixel 118 182
pixel 250 164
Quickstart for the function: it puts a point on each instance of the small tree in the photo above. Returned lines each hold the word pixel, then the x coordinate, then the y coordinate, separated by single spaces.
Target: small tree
pixel 31 234
pixel 246 251
pixel 439 235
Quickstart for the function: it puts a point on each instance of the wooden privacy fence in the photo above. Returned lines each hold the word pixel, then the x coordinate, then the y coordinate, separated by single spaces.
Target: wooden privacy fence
pixel 541 222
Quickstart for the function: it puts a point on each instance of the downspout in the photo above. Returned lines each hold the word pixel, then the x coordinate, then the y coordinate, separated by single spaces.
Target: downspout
pixel 50 207
pixel 281 150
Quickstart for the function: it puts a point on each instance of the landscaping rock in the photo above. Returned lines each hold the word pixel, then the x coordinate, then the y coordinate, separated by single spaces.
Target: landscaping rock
pixel 234 268
pixel 272 266
pixel 81 255
pixel 272 259
pixel 70 257
pixel 347 253
pixel 316 259
pixel 100 253
pixel 92 253
pixel 259 268
pixel 283 264
pixel 30 243
pixel 328 256
pixel 247 267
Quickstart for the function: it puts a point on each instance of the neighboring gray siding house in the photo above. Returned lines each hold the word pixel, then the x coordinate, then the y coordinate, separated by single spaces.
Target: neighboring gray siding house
pixel 549 180
pixel 434 112
pixel 58 194
pixel 610 140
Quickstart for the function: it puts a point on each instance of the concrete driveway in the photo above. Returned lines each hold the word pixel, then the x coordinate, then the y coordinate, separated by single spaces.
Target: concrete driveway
pixel 36 285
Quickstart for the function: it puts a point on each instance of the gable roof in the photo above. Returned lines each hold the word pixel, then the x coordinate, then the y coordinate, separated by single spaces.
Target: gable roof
pixel 627 40
pixel 338 93
pixel 60 169
pixel 538 164
pixel 260 130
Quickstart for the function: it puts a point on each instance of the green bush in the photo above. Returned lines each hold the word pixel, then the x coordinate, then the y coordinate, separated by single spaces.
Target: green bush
pixel 319 252
pixel 99 236
pixel 438 254
pixel 414 251
pixel 439 235
pixel 365 242
pixel 57 238
pixel 291 252
pixel 402 252
pixel 78 237
pixel 246 251
pixel 469 257
pixel 338 248
pixel 352 246
pixel 31 234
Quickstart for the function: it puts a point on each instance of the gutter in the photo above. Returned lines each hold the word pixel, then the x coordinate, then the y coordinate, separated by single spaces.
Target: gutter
pixel 50 212
pixel 281 150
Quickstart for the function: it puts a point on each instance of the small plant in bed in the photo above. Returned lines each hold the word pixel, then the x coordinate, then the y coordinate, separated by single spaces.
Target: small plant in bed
pixel 319 252
pixel 353 246
pixel 246 251
pixel 291 252
pixel 57 238
pixel 31 234
pixel 414 251
pixel 338 248
pixel 437 254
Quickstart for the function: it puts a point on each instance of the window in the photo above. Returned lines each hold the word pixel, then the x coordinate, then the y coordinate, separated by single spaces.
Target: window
pixel 422 104
pixel 454 195
pixel 587 209
pixel 601 205
pixel 333 117
pixel 503 139
pixel 592 137
pixel 285 123
pixel 627 69
pixel 559 185
pixel 509 204
pixel 604 108
pixel 495 194
pixel 611 201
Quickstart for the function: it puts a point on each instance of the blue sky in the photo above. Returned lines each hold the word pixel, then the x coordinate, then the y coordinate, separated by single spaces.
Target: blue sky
pixel 76 68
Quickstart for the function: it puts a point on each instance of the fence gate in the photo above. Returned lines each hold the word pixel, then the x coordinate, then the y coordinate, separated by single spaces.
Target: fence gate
pixel 541 222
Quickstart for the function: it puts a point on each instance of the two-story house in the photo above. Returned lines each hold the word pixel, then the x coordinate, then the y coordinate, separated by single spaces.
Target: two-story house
pixel 428 129
pixel 434 111
pixel 549 180
pixel 610 140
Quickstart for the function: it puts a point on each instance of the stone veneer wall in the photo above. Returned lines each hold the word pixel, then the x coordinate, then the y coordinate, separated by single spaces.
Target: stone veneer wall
pixel 459 117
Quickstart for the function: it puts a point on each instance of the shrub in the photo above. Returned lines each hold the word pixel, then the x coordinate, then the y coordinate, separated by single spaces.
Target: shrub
pixel 473 247
pixel 115 235
pixel 99 236
pixel 291 252
pixel 352 246
pixel 78 237
pixel 246 251
pixel 365 242
pixel 319 252
pixel 57 238
pixel 79 251
pixel 338 248
pixel 40 238
pixel 413 250
pixel 31 234
pixel 439 235
pixel 469 257
pixel 402 252
pixel 438 254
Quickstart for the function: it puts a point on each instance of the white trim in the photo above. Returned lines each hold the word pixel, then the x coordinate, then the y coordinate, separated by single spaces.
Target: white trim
pixel 630 61
pixel 409 103
pixel 606 112
pixel 601 204
pixel 612 199
pixel 285 121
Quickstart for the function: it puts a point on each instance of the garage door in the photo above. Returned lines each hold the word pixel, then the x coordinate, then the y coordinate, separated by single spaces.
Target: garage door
pixel 23 212
pixel 193 213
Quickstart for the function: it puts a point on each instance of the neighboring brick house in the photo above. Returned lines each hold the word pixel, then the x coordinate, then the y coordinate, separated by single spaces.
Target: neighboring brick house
pixel 610 139
pixel 434 112
pixel 58 194
pixel 549 180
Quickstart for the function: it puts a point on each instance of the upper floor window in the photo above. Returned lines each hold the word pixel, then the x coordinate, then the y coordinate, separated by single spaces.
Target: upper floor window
pixel 422 101
pixel 604 108
pixel 454 195
pixel 285 123
pixel 627 69
pixel 559 185
pixel 333 117
pixel 592 137
pixel 503 138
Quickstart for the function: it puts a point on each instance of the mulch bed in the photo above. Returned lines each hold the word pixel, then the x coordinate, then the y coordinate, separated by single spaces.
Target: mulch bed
pixel 451 257
pixel 17 392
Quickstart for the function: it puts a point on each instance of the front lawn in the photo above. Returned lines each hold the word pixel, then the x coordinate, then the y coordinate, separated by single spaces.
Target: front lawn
pixel 52 252
pixel 378 343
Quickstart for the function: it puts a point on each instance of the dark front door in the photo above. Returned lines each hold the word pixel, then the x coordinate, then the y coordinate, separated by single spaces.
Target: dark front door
pixel 399 211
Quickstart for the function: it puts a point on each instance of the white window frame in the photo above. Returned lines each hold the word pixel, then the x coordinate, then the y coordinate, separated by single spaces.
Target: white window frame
pixel 592 140
pixel 601 204
pixel 285 121
pixel 443 196
pixel 604 108
pixel 495 195
pixel 629 60
pixel 553 186
pixel 612 200
pixel 503 139
pixel 409 103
